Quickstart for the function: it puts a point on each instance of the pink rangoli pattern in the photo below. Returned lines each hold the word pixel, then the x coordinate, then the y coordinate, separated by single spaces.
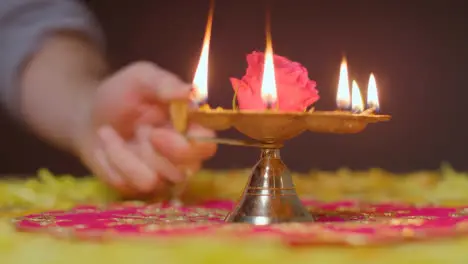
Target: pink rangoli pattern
pixel 344 223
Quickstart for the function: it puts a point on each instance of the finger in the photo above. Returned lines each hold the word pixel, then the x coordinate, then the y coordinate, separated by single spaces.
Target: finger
pixel 205 150
pixel 178 149
pixel 149 114
pixel 123 160
pixel 155 82
pixel 156 161
pixel 109 175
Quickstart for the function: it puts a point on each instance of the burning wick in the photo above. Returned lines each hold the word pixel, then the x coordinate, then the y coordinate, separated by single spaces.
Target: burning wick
pixel 372 95
pixel 199 93
pixel 369 111
pixel 268 88
pixel 199 97
pixel 374 107
pixel 343 105
pixel 356 99
pixel 343 96
pixel 270 102
pixel 197 101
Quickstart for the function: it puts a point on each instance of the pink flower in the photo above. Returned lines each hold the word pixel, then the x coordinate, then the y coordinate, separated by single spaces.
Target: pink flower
pixel 295 91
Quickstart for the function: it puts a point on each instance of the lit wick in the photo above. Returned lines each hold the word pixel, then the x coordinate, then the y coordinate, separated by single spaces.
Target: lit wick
pixel 199 98
pixel 357 106
pixel 343 97
pixel 369 111
pixel 268 88
pixel 200 80
pixel 372 94
pixel 269 101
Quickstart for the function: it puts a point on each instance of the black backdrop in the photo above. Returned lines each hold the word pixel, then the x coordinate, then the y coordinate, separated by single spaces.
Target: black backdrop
pixel 417 49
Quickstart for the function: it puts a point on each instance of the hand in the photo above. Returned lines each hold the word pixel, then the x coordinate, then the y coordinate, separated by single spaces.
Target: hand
pixel 126 138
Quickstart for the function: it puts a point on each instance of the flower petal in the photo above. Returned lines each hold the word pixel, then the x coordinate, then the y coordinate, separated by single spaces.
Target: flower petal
pixel 247 98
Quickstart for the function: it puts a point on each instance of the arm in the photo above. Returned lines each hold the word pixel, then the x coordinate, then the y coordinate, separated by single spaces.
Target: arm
pixel 49 65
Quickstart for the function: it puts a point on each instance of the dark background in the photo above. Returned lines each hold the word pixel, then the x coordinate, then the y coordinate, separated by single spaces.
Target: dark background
pixel 417 50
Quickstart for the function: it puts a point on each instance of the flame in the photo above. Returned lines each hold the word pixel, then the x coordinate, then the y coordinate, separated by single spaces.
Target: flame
pixel 372 94
pixel 200 80
pixel 343 97
pixel 357 104
pixel 269 92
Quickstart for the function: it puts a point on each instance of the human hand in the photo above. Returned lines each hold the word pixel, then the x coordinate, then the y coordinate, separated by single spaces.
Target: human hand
pixel 126 138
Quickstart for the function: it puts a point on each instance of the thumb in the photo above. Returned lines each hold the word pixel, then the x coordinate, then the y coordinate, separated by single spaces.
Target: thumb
pixel 155 82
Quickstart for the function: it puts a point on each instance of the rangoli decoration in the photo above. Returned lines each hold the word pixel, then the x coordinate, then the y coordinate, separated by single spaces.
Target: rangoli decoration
pixel 342 223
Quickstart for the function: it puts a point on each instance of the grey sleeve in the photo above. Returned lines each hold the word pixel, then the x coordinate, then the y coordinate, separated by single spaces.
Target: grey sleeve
pixel 24 24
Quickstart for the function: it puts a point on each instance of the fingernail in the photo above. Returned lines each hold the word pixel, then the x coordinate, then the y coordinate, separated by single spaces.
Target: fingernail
pixel 108 173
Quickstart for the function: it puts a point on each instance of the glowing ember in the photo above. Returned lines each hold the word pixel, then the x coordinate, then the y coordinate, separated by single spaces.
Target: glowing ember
pixel 357 104
pixel 200 81
pixel 372 94
pixel 343 97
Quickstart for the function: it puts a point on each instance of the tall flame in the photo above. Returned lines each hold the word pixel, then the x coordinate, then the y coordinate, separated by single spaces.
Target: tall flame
pixel 200 80
pixel 372 95
pixel 357 104
pixel 269 91
pixel 343 97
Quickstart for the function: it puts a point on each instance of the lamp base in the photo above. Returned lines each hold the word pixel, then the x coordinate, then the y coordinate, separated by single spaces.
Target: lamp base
pixel 270 196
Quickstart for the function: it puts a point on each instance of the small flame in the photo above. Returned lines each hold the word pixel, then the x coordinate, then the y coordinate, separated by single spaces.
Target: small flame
pixel 200 80
pixel 356 104
pixel 343 97
pixel 269 92
pixel 372 94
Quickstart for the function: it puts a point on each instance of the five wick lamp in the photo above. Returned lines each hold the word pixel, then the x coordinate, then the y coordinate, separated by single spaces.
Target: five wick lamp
pixel 270 196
